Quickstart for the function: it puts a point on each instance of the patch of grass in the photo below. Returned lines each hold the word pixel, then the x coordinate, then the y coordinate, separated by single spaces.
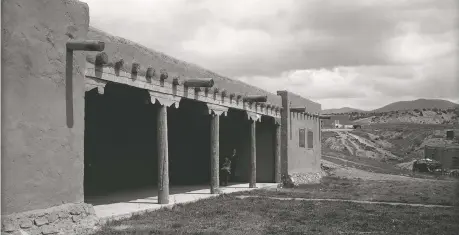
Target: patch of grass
pixel 228 215
pixel 419 191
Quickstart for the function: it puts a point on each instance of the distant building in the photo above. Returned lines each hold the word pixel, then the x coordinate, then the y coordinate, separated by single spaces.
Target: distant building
pixel 447 155
pixel 337 119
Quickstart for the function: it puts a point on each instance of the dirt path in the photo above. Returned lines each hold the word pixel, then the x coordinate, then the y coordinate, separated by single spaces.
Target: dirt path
pixel 353 173
pixel 344 200
pixel 361 164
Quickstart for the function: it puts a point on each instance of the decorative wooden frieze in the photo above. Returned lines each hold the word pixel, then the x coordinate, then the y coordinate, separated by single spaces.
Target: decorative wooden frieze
pixel 277 121
pixel 232 96
pixel 254 116
pixel 216 92
pixel 108 74
pixel 95 83
pixel 224 94
pixel 175 81
pixel 163 74
pixel 135 69
pixel 255 98
pixel 262 107
pixel 150 73
pixel 217 109
pixel 165 99
pixel 238 98
pixel 119 64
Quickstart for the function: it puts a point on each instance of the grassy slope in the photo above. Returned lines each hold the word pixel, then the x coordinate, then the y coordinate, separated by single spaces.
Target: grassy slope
pixel 228 215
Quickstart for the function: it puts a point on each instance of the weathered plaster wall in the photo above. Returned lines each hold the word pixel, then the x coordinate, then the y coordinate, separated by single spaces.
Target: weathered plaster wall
pixel 42 159
pixel 305 159
pixel 296 159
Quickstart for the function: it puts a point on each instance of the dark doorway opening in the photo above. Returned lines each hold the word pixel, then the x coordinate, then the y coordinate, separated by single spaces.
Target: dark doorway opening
pixel 235 134
pixel 266 134
pixel 120 141
pixel 189 143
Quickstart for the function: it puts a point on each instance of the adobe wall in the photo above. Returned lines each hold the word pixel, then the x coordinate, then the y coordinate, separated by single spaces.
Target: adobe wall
pixel 304 159
pixel 42 159
pixel 296 159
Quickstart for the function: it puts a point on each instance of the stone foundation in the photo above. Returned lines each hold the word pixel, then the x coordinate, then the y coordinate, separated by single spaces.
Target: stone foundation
pixel 66 219
pixel 295 179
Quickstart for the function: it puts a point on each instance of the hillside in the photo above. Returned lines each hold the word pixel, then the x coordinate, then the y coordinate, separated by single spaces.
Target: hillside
pixel 417 104
pixel 417 116
pixel 395 145
pixel 341 110
pixel 399 106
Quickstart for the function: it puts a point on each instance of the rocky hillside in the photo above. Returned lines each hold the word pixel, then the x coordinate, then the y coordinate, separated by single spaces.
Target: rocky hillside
pixel 417 116
pixel 397 144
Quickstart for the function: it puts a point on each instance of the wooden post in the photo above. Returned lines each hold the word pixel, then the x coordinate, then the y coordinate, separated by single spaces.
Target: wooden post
pixel 253 155
pixel 163 156
pixel 277 155
pixel 75 45
pixel 214 153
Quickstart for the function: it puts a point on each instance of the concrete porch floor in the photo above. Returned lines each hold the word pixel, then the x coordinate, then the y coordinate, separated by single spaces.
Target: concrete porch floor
pixel 124 205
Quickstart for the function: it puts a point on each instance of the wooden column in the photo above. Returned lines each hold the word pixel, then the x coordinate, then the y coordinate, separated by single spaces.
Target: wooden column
pixel 253 155
pixel 164 101
pixel 214 153
pixel 277 155
pixel 215 111
pixel 163 156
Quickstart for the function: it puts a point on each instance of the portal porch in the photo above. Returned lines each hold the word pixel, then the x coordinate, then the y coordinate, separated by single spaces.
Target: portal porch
pixel 125 204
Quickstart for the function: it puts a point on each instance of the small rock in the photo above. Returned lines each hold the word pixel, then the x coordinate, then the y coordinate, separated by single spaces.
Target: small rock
pixel 76 218
pixel 25 223
pixel 53 217
pixel 41 221
pixel 89 209
pixel 8 226
pixel 76 211
pixel 49 229
pixel 63 215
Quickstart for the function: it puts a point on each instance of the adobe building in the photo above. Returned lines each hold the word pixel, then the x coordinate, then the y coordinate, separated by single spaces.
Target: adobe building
pixel 87 114
pixel 333 119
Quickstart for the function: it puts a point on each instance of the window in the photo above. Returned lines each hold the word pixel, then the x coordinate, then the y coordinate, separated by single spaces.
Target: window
pixel 310 139
pixel 302 139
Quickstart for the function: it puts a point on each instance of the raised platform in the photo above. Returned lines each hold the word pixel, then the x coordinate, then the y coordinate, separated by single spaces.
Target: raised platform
pixel 124 205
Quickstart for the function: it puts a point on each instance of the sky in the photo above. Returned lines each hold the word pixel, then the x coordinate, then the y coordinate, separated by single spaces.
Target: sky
pixel 340 53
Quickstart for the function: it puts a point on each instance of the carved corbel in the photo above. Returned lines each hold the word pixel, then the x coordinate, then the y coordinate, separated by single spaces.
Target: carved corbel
pixel 165 99
pixel 216 92
pixel 231 96
pixel 254 116
pixel 217 109
pixel 223 94
pixel 92 83
pixel 101 60
pixel 119 64
pixel 277 121
pixel 238 97
pixel 163 74
pixel 262 107
pixel 150 73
